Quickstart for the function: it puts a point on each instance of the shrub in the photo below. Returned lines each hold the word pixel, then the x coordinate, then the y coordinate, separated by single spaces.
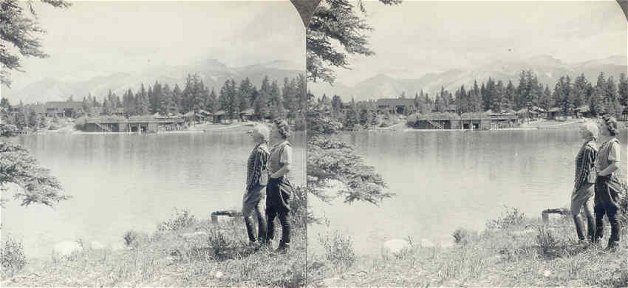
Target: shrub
pixel 12 257
pixel 464 236
pixel 551 247
pixel 222 247
pixel 509 218
pixel 180 220
pixel 7 130
pixel 298 207
pixel 131 238
pixel 338 249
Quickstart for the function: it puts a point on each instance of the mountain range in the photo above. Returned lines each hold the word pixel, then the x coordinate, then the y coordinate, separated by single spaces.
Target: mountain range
pixel 211 71
pixel 547 69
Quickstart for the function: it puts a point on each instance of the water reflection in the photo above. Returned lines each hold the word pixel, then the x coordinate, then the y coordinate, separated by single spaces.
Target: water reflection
pixel 447 180
pixel 123 182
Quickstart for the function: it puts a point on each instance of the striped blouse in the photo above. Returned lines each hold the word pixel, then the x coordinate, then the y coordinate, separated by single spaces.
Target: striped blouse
pixel 585 164
pixel 256 165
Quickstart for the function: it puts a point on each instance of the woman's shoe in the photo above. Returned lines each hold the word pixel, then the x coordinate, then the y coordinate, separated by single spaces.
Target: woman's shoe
pixel 283 248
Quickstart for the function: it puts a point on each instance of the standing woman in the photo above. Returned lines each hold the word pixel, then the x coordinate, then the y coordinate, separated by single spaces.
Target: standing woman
pixel 607 185
pixel 583 191
pixel 256 179
pixel 279 190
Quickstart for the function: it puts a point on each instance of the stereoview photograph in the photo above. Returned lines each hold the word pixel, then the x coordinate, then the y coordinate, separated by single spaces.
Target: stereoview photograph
pixel 152 144
pixel 467 144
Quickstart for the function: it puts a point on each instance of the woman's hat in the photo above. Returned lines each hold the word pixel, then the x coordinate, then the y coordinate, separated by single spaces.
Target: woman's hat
pixel 611 123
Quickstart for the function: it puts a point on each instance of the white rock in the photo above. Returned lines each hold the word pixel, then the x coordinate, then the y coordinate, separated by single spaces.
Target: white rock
pixel 395 246
pixel 218 275
pixel 427 243
pixel 95 245
pixel 67 248
pixel 197 234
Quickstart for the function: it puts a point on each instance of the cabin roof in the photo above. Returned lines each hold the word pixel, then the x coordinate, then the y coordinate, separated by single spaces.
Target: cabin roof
pixel 395 102
pixel 248 112
pixel 64 105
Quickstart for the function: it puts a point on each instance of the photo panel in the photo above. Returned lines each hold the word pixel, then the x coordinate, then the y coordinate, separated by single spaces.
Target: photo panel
pixel 445 136
pixel 131 153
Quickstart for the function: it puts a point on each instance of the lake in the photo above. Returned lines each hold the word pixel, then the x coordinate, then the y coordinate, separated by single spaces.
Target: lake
pixel 445 180
pixel 132 182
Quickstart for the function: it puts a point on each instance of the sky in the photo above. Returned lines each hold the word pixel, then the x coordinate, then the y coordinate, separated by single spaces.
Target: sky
pixel 100 38
pixel 419 37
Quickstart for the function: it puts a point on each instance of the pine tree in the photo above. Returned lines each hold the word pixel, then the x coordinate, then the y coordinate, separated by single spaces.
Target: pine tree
pixel 462 101
pixel 142 106
pixel 20 31
pixel 87 105
pixel 611 99
pixel 546 101
pixel 275 102
pixel 352 117
pixel 302 95
pixel 509 96
pixel 128 101
pixel 156 98
pixel 523 91
pixel 245 94
pixel 178 100
pixel 622 90
pixel 336 106
pixel 598 96
pixel 580 91
pixel 212 102
pixel 168 104
pixel 106 107
pixel 261 101
pixel 289 97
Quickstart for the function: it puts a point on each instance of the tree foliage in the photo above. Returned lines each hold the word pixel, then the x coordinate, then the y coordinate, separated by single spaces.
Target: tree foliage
pixel 18 166
pixel 19 31
pixel 331 161
pixel 336 30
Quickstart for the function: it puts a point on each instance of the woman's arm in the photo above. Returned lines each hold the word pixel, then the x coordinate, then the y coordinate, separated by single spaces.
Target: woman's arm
pixel 610 169
pixel 588 160
pixel 283 171
pixel 260 160
pixel 613 157
pixel 286 160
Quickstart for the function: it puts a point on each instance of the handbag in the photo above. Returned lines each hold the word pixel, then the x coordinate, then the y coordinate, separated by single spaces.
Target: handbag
pixel 263 178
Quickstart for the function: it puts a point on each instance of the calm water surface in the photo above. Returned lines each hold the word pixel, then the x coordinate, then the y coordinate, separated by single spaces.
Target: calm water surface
pixel 124 182
pixel 447 180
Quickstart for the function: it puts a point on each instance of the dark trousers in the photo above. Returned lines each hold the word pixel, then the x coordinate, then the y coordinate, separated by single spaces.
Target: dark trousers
pixel 606 203
pixel 611 214
pixel 271 214
pixel 253 206
pixel 580 227
pixel 261 227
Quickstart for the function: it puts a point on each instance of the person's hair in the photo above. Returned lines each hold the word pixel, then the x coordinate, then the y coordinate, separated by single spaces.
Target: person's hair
pixel 610 123
pixel 593 130
pixel 262 131
pixel 283 128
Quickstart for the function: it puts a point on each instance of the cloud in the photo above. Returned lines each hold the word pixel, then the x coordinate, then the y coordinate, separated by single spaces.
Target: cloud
pixel 99 38
pixel 419 37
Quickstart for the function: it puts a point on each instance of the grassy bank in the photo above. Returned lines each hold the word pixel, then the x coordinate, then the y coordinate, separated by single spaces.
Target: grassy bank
pixel 184 251
pixel 514 251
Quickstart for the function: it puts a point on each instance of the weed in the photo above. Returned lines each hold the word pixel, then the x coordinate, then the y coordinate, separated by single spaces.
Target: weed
pixel 180 219
pixel 130 238
pixel 12 257
pixel 338 249
pixel 464 236
pixel 222 247
pixel 511 217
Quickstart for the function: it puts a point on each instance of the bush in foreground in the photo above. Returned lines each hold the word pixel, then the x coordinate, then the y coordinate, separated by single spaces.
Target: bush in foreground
pixel 12 257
